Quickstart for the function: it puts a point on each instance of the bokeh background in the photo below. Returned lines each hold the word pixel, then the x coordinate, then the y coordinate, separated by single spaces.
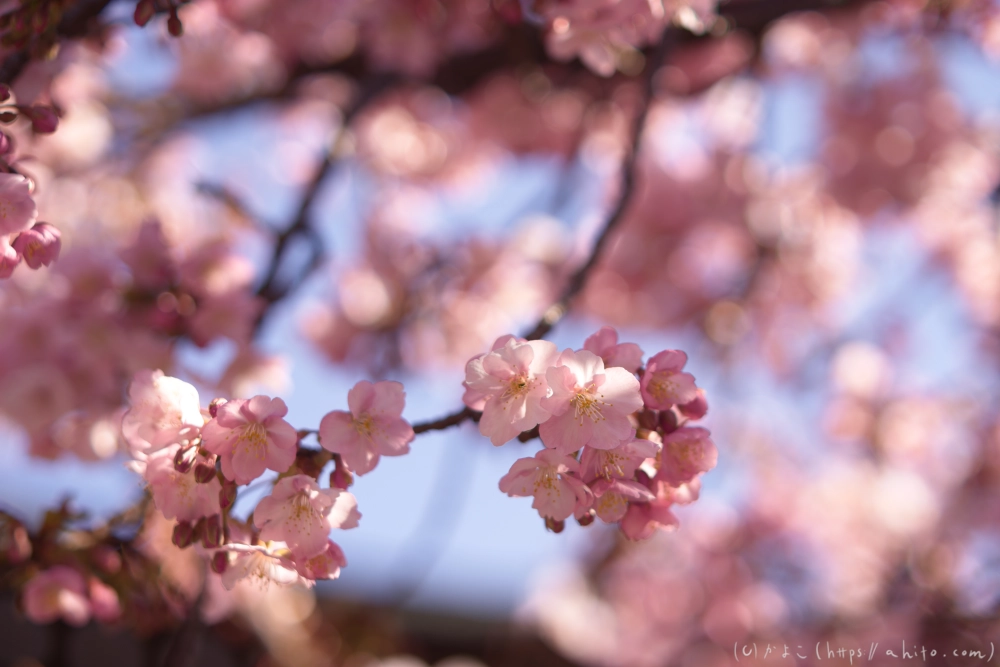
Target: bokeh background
pixel 814 221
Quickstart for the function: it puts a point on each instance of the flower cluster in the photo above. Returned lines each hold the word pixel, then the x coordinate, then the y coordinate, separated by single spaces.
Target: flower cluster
pixel 616 446
pixel 193 461
pixel 21 238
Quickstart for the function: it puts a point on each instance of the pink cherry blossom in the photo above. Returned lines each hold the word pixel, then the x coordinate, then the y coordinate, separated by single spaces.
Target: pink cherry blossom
pixel 474 373
pixel 17 208
pixel 374 427
pixel 663 383
pixel 9 258
pixel 39 245
pixel 301 514
pixel 325 565
pixel 511 379
pixel 177 495
pixel 687 452
pixel 250 437
pixel 162 411
pixel 643 518
pixel 612 497
pixel 57 593
pixel 619 462
pixel 548 476
pixel 697 408
pixel 104 601
pixel 261 564
pixel 590 405
pixel 605 344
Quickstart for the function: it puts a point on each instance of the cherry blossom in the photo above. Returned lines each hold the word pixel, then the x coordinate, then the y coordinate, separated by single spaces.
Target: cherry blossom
pixel 621 461
pixel 17 208
pixel 374 426
pixel 511 379
pixel 687 452
pixel 9 258
pixel 162 411
pixel 590 405
pixel 612 497
pixel 301 515
pixel 250 436
pixel 664 384
pixel 39 246
pixel 325 565
pixel 549 478
pixel 179 495
pixel 261 564
pixel 59 592
pixel 605 344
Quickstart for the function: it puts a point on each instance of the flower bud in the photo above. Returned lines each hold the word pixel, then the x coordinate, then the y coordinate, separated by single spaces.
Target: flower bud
pixel 213 407
pixel 16 545
pixel 203 474
pixel 647 419
pixel 220 561
pixel 227 494
pixel 308 464
pixel 555 526
pixel 587 518
pixel 144 11
pixel 212 535
pixel 44 120
pixel 106 559
pixel 184 459
pixel 174 25
pixel 6 144
pixel 697 408
pixel 183 535
pixel 668 421
pixel 341 477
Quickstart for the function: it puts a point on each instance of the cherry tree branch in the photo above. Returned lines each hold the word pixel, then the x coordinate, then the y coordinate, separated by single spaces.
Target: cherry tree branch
pixel 554 313
pixel 76 22
pixel 272 289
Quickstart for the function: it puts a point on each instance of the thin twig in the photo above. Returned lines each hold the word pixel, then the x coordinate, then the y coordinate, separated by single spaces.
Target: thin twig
pixel 555 312
pixel 270 290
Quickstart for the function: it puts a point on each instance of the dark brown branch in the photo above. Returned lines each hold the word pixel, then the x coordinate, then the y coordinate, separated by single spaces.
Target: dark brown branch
pixel 76 22
pixel 271 289
pixel 558 310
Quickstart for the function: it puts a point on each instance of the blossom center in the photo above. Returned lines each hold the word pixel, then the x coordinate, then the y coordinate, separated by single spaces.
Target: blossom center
pixel 254 439
pixel 587 405
pixel 364 425
pixel 663 386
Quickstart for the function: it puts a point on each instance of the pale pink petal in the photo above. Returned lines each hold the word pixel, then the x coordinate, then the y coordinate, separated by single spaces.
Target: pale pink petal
pixel 360 398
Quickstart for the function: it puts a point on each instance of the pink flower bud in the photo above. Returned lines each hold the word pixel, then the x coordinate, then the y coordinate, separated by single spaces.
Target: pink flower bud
pixel 144 11
pixel 556 526
pixel 174 25
pixel 6 144
pixel 106 559
pixel 9 259
pixel 39 245
pixel 212 536
pixel 341 477
pixel 227 495
pixel 104 601
pixel 203 474
pixel 647 419
pixel 697 408
pixel 16 545
pixel 44 120
pixel 213 407
pixel 220 561
pixel 587 518
pixel 184 459
pixel 183 535
pixel 668 421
